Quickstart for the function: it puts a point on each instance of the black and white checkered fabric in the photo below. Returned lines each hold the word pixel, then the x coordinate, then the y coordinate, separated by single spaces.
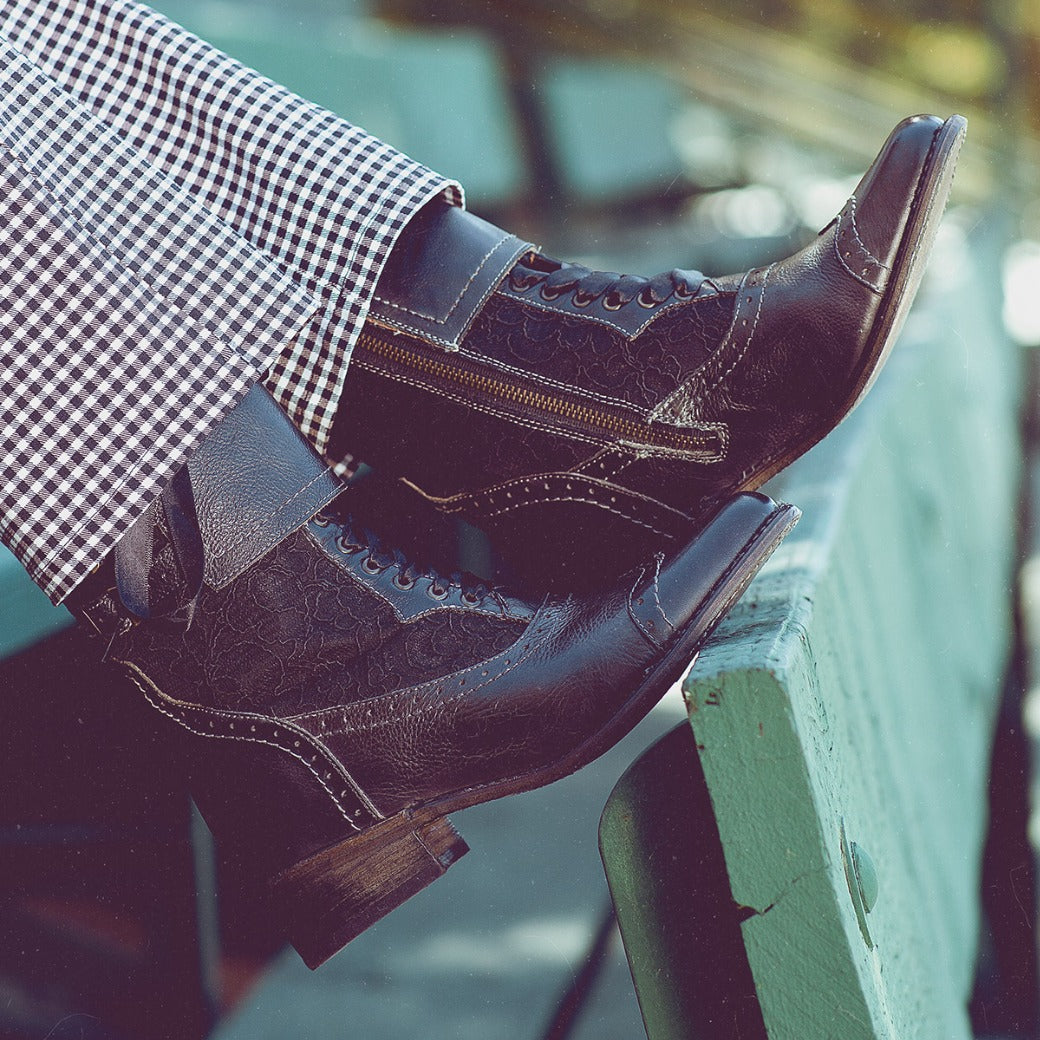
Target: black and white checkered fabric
pixel 173 226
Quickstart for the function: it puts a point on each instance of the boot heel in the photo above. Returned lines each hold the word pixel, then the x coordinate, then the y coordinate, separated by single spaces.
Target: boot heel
pixel 328 899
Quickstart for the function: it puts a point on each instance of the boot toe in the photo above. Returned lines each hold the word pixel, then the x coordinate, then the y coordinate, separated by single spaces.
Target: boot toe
pixel 699 583
pixel 893 184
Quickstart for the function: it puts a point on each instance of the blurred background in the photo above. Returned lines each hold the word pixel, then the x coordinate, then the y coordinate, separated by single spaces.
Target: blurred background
pixel 631 135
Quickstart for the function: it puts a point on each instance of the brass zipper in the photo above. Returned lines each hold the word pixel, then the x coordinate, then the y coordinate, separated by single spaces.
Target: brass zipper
pixel 622 428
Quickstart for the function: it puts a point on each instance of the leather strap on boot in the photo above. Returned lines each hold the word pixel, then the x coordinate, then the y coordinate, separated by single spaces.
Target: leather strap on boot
pixel 440 273
pixel 252 482
pixel 255 480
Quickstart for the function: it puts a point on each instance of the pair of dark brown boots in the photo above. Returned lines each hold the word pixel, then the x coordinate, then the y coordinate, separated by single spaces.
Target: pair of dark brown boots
pixel 335 700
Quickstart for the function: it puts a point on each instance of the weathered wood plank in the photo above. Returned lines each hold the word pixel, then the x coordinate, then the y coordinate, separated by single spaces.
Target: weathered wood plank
pixel 680 926
pixel 854 691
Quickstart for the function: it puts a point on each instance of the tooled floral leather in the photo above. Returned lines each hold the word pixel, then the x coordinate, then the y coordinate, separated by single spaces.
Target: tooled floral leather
pixel 297 630
pixel 595 359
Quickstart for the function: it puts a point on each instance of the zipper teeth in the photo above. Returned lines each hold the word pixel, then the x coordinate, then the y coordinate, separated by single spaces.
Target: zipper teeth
pixel 518 395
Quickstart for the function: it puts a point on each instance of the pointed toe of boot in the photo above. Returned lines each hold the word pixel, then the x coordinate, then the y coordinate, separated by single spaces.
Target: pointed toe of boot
pixel 587 415
pixel 900 181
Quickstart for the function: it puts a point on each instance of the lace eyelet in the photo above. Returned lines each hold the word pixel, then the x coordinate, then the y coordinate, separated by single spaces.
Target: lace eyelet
pixel 346 546
pixel 549 295
pixel 319 520
pixel 612 302
pixel 470 598
pixel 434 592
pixel 404 586
pixel 645 300
pixel 369 566
pixel 582 299
pixel 520 283
pixel 683 292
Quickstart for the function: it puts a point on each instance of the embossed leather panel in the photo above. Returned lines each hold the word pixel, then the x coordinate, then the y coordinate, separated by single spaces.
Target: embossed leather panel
pixel 299 628
pixel 594 358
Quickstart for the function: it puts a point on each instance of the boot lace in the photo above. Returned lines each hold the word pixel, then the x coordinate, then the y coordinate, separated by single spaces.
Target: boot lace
pixel 617 290
pixel 353 538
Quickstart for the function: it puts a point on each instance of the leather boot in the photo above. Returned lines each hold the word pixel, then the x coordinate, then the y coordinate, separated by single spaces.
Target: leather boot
pixel 335 702
pixel 555 404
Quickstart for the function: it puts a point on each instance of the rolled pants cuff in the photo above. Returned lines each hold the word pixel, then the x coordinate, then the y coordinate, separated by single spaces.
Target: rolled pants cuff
pixel 174 227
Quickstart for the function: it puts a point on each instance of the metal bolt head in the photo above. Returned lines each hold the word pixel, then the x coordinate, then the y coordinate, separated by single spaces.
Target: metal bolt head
pixel 865 873
pixel 861 877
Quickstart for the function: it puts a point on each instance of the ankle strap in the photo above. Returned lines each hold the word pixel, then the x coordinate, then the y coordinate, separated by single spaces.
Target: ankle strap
pixel 441 271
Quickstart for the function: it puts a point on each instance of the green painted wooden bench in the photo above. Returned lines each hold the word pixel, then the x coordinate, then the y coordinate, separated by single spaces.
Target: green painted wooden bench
pixel 842 717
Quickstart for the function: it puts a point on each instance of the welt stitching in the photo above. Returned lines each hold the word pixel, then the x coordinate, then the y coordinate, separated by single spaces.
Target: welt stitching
pixel 622 465
pixel 658 560
pixel 598 460
pixel 401 326
pixel 739 559
pixel 534 478
pixel 850 226
pixel 855 234
pixel 635 617
pixel 472 499
pixel 749 335
pixel 580 501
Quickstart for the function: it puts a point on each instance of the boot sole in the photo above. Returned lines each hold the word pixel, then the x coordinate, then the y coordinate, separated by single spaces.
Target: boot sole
pixel 328 899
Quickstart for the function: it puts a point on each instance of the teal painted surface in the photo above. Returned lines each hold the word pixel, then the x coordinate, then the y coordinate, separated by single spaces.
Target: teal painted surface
pixel 855 688
pixel 26 615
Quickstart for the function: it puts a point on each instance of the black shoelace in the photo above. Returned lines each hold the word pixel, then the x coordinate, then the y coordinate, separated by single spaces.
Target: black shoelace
pixel 617 290
pixel 353 538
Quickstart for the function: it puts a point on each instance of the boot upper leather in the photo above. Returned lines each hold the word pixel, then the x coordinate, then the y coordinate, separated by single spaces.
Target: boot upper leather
pixel 335 683
pixel 648 400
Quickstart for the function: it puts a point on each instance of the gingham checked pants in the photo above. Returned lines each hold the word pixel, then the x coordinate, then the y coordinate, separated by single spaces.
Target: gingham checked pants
pixel 173 227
